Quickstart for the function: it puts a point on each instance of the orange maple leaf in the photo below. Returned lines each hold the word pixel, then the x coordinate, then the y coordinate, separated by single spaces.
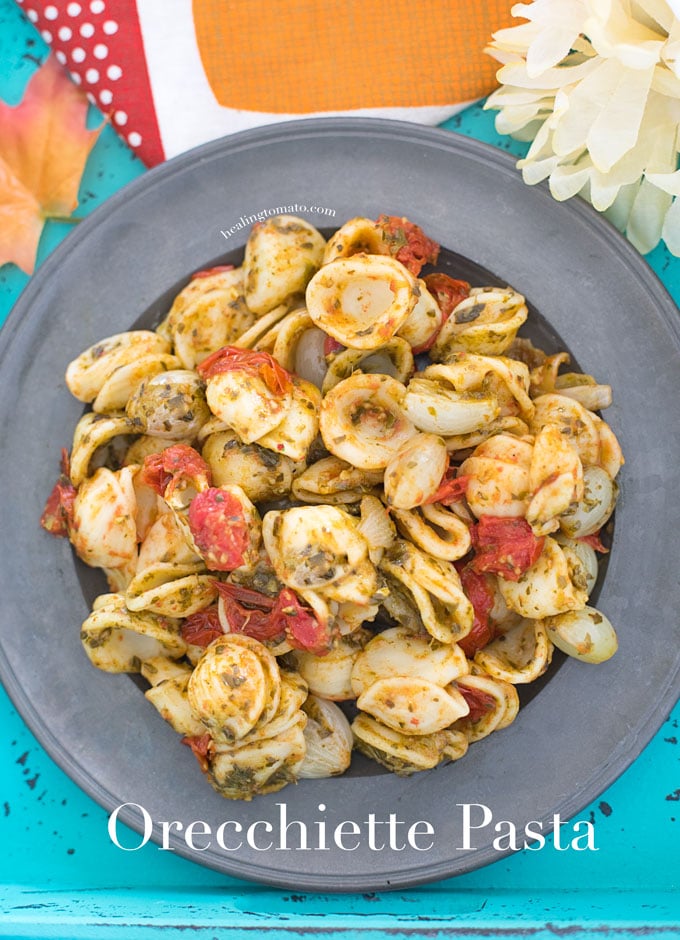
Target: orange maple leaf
pixel 44 145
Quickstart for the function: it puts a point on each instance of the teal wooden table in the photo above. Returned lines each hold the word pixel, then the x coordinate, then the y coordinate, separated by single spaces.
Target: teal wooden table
pixel 61 877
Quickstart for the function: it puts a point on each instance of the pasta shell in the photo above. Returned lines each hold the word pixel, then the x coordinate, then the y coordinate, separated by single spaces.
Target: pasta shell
pixel 159 668
pixel 103 532
pixel 246 404
pixel 591 512
pixel 555 479
pixel 165 543
pixel 361 301
pixel 376 527
pixel 438 531
pixel 362 420
pixel 433 587
pixel 484 323
pixel 499 477
pixel 611 456
pixel 281 256
pixel 394 358
pixel 119 640
pixel 260 767
pixel 350 615
pixel 398 652
pixel 123 381
pixel 412 705
pixel 328 738
pixel 170 405
pixel 585 634
pixel 507 380
pixel 298 345
pixel 501 706
pixel 519 656
pixel 334 481
pixel 586 556
pixel 261 473
pixel 436 407
pixel 295 433
pixel 414 473
pixel 330 676
pixel 357 236
pixel 231 688
pixel 574 422
pixel 145 445
pixel 405 754
pixel 210 312
pixel 293 696
pixel 506 425
pixel 423 322
pixel 555 583
pixel 583 388
pixel 86 375
pixel 171 590
pixel 261 331
pixel 92 432
pixel 168 694
pixel 312 547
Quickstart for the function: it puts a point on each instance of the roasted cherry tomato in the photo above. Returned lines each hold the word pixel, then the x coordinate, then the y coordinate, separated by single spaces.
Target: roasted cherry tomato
pixel 302 629
pixel 173 467
pixel 451 489
pixel 232 359
pixel 218 269
pixel 594 541
pixel 202 746
pixel 201 628
pixel 219 529
pixel 408 243
pixel 481 596
pixel 479 702
pixel 264 618
pixel 249 611
pixel 57 516
pixel 331 346
pixel 506 547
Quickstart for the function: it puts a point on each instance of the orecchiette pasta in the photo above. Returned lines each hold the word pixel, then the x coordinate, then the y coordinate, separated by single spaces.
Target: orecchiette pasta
pixel 340 507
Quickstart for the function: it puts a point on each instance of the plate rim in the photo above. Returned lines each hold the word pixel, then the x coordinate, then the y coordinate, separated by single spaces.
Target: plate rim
pixel 300 129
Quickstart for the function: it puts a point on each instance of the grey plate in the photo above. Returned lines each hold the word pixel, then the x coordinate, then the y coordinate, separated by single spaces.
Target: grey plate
pixel 586 724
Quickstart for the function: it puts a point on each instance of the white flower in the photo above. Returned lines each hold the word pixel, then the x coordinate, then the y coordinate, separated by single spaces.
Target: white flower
pixel 595 86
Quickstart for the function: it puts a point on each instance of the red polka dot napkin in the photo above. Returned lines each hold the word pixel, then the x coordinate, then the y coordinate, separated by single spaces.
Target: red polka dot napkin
pixel 174 74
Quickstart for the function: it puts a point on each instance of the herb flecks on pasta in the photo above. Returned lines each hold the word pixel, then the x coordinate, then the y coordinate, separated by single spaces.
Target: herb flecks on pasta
pixel 323 479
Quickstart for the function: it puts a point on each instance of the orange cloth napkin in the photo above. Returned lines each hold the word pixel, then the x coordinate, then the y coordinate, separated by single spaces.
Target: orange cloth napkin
pixel 174 74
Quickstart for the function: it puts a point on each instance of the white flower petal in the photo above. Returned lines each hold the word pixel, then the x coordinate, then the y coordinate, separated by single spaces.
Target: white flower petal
pixel 549 48
pixel 586 100
pixel 533 173
pixel 646 219
pixel 619 211
pixel 527 134
pixel 666 82
pixel 653 13
pixel 510 120
pixel 516 74
pixel 567 181
pixel 668 182
pixel 671 228
pixel 595 86
pixel 603 191
pixel 509 96
pixel 615 129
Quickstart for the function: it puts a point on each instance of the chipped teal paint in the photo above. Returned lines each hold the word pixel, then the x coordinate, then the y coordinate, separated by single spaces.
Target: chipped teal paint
pixel 60 877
